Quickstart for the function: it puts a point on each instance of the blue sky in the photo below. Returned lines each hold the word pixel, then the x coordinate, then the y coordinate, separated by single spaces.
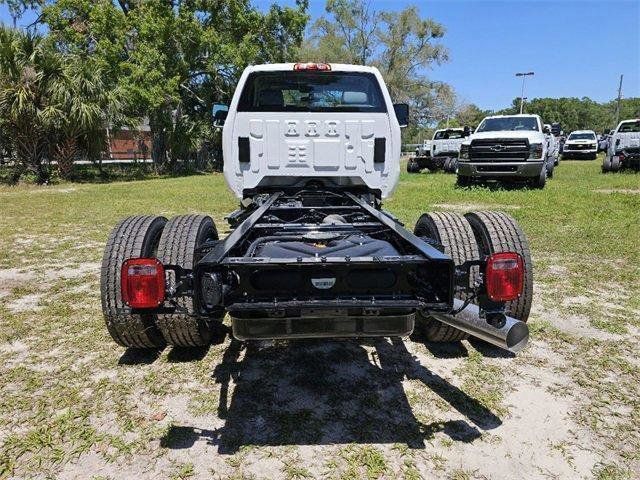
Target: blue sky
pixel 576 48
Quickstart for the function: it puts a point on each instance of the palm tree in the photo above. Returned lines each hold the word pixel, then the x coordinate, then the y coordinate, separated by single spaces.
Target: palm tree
pixel 82 110
pixel 30 70
pixel 53 106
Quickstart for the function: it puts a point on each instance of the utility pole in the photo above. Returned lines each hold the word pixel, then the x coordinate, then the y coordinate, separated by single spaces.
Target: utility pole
pixel 618 104
pixel 524 75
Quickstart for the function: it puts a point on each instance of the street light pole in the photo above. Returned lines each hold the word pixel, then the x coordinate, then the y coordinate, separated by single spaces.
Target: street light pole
pixel 618 103
pixel 523 75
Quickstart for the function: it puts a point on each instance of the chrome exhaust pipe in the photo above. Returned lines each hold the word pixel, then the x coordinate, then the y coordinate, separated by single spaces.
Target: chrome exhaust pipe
pixel 502 331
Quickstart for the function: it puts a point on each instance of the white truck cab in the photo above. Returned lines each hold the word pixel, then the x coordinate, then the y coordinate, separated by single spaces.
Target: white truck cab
pixel 581 144
pixel 292 124
pixel 624 147
pixel 447 141
pixel 441 152
pixel 506 147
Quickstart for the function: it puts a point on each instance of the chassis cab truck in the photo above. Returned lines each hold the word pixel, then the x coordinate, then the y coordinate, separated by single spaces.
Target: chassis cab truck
pixel 624 147
pixel 508 148
pixel 442 152
pixel 311 151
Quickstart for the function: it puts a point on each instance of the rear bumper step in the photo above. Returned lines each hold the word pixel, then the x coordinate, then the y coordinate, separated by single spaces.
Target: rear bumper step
pixel 321 327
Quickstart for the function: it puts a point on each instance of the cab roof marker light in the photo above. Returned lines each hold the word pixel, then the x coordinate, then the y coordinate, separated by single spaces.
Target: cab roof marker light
pixel 311 66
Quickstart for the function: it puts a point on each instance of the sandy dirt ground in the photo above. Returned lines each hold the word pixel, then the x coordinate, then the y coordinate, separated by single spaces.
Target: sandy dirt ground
pixel 74 405
pixel 378 408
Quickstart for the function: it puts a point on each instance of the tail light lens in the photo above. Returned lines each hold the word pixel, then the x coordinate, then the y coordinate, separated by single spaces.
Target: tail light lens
pixel 504 276
pixel 142 282
pixel 318 67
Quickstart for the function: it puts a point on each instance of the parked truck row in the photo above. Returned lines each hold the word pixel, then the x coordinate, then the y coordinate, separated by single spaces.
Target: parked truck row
pixel 520 148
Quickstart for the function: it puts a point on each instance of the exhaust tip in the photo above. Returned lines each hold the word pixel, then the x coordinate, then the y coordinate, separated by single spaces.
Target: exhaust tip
pixel 518 337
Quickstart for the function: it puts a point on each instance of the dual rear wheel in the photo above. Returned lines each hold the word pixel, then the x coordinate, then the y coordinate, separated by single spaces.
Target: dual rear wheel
pixel 174 242
pixel 470 237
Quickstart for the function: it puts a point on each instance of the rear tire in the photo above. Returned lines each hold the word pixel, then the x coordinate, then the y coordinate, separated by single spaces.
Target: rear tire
pixel 450 165
pixel 498 232
pixel 606 165
pixel 463 181
pixel 455 234
pixel 412 166
pixel 180 239
pixel 541 181
pixel 615 164
pixel 133 237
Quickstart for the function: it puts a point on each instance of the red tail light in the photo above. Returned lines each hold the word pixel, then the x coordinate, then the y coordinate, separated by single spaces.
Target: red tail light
pixel 142 282
pixel 504 276
pixel 319 67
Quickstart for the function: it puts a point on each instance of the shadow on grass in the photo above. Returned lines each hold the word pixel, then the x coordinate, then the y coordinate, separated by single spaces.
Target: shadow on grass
pixel 327 392
pixel 139 356
pixel 494 186
pixel 187 354
pixel 442 350
pixel 124 173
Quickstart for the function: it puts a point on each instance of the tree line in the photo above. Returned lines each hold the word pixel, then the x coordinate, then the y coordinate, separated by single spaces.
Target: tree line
pixel 572 114
pixel 86 69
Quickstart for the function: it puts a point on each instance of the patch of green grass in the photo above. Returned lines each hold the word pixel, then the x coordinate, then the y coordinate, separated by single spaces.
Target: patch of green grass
pixel 610 471
pixel 183 471
pixel 460 474
pixel 52 398
pixel 292 470
pixel 483 381
pixel 363 462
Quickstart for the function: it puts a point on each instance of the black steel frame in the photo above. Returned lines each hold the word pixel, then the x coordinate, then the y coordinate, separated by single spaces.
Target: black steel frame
pixel 423 276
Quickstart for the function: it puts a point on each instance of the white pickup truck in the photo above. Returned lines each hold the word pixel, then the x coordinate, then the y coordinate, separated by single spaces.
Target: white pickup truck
pixel 507 148
pixel 310 150
pixel 624 147
pixel 442 153
pixel 581 144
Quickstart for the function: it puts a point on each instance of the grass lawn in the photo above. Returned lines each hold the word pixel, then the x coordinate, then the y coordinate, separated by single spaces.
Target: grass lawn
pixel 75 405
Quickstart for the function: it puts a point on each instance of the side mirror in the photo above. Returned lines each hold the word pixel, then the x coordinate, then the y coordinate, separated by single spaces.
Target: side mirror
pixel 402 114
pixel 546 130
pixel 219 117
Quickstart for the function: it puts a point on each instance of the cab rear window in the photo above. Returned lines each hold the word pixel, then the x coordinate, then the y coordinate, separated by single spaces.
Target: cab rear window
pixel 297 91
pixel 630 127
pixel 448 135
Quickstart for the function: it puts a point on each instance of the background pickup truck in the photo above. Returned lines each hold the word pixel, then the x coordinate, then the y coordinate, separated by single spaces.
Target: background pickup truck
pixel 507 148
pixel 442 152
pixel 581 144
pixel 624 147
